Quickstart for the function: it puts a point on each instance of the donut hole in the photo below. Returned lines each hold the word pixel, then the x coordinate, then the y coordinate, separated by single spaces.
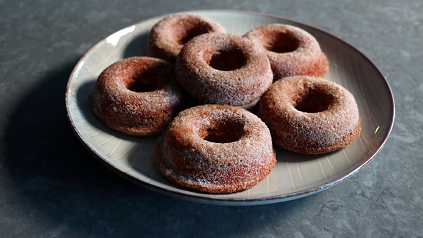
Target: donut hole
pixel 223 132
pixel 227 60
pixel 146 81
pixel 184 31
pixel 313 101
pixel 284 42
pixel 142 86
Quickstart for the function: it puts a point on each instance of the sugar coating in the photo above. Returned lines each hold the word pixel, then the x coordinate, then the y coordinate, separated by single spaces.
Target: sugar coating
pixel 165 37
pixel 304 132
pixel 186 158
pixel 137 113
pixel 307 59
pixel 212 86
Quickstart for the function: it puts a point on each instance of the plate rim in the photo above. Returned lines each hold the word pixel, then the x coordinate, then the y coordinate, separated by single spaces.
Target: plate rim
pixel 234 200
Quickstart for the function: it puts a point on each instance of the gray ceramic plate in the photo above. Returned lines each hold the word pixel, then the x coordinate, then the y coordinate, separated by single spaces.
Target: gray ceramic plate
pixel 294 176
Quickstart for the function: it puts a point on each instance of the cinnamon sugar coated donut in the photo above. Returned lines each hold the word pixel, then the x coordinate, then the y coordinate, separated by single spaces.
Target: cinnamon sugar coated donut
pixel 138 95
pixel 291 50
pixel 310 115
pixel 215 149
pixel 169 35
pixel 219 68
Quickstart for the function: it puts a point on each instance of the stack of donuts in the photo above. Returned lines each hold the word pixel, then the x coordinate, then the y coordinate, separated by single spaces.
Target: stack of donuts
pixel 220 101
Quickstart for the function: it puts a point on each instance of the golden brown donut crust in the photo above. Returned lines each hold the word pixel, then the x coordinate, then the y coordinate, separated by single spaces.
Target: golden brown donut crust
pixel 138 95
pixel 310 115
pixel 168 36
pixel 291 50
pixel 241 156
pixel 204 69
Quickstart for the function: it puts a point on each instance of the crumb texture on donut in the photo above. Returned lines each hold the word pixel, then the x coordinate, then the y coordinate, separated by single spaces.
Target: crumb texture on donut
pixel 138 95
pixel 291 50
pixel 219 68
pixel 215 149
pixel 169 35
pixel 310 115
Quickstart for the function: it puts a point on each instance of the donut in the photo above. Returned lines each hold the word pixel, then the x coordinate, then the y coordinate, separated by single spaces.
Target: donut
pixel 221 68
pixel 310 115
pixel 215 149
pixel 138 96
pixel 291 50
pixel 169 35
